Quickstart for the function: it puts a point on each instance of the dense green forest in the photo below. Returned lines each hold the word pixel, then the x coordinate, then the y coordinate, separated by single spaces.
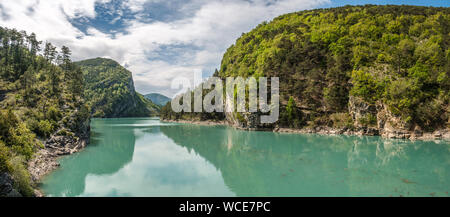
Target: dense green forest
pixel 41 94
pixel 110 90
pixel 394 60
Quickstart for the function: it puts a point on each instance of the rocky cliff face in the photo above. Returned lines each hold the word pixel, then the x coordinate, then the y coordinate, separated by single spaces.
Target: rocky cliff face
pixel 368 119
pixel 247 121
pixel 127 103
pixel 379 119
pixel 110 91
pixel 6 186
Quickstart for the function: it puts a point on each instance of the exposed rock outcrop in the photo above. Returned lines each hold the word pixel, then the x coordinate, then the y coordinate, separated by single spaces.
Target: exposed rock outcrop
pixel 360 110
pixel 369 120
pixel 45 159
pixel 6 186
pixel 63 142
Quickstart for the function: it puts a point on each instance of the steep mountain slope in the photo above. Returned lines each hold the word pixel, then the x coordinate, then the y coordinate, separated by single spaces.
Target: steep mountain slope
pixel 110 90
pixel 157 98
pixel 373 69
pixel 40 101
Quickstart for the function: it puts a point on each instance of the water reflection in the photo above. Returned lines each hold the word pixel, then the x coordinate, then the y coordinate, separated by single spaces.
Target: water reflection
pixel 268 164
pixel 144 157
pixel 131 157
pixel 117 150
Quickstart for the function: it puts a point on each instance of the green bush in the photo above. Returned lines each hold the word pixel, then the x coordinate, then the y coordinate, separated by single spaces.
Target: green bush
pixel 341 120
pixel 7 122
pixel 290 116
pixel 318 121
pixel 44 128
pixel 23 141
pixel 15 165
pixel 53 113
pixel 368 120
pixel 22 180
pixel 366 86
pixel 240 118
pixel 431 114
pixel 4 157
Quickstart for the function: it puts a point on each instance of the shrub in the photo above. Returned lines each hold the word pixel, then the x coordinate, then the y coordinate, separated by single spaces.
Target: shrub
pixel 4 157
pixel 320 121
pixel 431 114
pixel 291 116
pixel 53 113
pixel 240 118
pixel 368 120
pixel 402 96
pixel 7 121
pixel 341 120
pixel 44 128
pixel 15 165
pixel 366 86
pixel 65 132
pixel 23 140
pixel 22 180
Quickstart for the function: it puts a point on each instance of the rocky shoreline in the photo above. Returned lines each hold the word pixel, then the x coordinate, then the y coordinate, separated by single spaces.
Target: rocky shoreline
pixel 203 123
pixel 44 162
pixel 46 159
pixel 388 133
pixel 410 135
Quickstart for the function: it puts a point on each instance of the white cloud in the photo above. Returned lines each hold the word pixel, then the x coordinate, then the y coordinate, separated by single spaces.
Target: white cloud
pixel 205 34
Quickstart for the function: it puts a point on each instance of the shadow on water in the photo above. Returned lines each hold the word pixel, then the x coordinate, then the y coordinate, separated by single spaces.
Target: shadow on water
pixel 111 147
pixel 270 164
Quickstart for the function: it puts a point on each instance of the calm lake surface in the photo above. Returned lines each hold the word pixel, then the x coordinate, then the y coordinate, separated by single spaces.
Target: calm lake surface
pixel 145 157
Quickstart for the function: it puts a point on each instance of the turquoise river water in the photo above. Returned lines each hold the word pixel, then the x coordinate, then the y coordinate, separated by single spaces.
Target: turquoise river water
pixel 146 157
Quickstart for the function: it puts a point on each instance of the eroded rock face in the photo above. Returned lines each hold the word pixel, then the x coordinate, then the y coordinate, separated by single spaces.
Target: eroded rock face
pixel 360 110
pixel 388 125
pixel 6 186
pixel 391 126
pixel 382 123
pixel 45 160
pixel 247 121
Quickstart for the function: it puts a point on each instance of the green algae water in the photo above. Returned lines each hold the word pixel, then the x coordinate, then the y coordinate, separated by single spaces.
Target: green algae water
pixel 146 157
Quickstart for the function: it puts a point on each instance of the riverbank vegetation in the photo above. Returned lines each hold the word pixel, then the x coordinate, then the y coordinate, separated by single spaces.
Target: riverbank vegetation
pixel 41 94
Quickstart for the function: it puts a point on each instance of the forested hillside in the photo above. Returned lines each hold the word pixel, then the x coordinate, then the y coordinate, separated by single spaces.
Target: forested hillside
pixel 359 67
pixel 110 90
pixel 157 98
pixel 41 95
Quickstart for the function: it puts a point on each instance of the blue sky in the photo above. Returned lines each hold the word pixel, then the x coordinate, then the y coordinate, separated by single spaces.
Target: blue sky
pixel 158 40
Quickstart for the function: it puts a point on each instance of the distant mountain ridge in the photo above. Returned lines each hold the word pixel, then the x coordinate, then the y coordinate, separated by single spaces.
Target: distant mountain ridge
pixel 157 98
pixel 110 91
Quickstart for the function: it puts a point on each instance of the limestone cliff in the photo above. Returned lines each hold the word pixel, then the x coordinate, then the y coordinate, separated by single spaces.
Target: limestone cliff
pixel 110 90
